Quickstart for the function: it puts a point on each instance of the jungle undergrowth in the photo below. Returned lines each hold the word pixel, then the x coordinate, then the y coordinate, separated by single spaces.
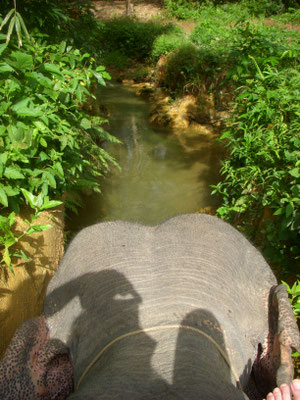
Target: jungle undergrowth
pixel 49 144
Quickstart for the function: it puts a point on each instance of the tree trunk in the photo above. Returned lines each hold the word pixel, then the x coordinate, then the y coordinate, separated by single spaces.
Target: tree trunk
pixel 129 7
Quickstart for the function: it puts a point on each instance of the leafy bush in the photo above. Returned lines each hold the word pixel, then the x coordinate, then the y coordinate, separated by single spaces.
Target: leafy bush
pixel 168 42
pixel 263 170
pixel 181 68
pixel 294 296
pixel 263 7
pixel 9 238
pixel 197 10
pixel 48 143
pixel 57 18
pixel 115 59
pixel 292 17
pixel 211 33
pixel 182 9
pixel 131 37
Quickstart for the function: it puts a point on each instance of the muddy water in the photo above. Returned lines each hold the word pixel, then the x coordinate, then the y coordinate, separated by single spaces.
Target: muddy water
pixel 162 174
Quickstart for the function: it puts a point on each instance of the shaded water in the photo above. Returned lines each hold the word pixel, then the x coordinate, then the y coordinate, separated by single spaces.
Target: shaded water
pixel 163 173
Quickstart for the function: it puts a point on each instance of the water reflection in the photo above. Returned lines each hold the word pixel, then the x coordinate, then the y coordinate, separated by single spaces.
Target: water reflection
pixel 162 173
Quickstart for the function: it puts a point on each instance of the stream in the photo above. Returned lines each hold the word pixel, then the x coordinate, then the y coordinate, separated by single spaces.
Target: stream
pixel 163 172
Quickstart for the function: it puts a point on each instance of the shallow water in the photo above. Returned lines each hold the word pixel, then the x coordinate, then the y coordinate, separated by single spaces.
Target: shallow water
pixel 163 172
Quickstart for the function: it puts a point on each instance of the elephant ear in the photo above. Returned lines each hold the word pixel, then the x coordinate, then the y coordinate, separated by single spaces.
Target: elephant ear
pixel 274 365
pixel 287 333
pixel 55 369
pixel 35 367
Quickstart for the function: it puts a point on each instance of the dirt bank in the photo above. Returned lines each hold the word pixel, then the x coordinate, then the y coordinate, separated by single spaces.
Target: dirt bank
pixel 22 294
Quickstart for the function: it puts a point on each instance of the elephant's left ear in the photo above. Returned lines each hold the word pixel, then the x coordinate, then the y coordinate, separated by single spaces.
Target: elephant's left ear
pixel 287 333
pixel 55 365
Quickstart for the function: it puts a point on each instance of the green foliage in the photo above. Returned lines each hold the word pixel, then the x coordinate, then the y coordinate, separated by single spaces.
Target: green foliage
pixel 181 68
pixel 57 20
pixel 168 42
pixel 263 169
pixel 140 74
pixel 183 9
pixel 131 37
pixel 15 22
pixel 294 294
pixel 262 172
pixel 292 17
pixel 47 142
pixel 263 8
pixel 115 59
pixel 9 238
pixel 211 33
pixel 198 10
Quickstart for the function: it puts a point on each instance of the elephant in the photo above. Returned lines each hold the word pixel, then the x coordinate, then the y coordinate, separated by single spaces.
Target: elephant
pixel 187 309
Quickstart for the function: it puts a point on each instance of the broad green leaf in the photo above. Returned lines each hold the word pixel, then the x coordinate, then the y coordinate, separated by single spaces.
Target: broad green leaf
pixel 54 69
pixel 10 241
pixel 29 197
pixel 43 142
pixel 50 179
pixel 62 47
pixel 11 191
pixel 43 156
pixel 29 112
pixel 13 173
pixel 38 228
pixel 295 172
pixel 6 257
pixel 39 201
pixel 5 105
pixel 20 104
pixel 11 219
pixel 289 210
pixel 41 126
pixel 2 47
pixel 1 170
pixel 51 204
pixel 58 167
pixel 100 68
pixel 64 141
pixel 99 78
pixel 279 211
pixel 3 157
pixel 16 134
pixel 37 172
pixel 5 68
pixel 106 75
pixel 3 197
pixel 72 61
pixel 22 61
pixel 85 123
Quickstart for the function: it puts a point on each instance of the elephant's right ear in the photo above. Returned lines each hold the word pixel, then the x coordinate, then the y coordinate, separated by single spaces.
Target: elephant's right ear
pixel 274 365
pixel 287 333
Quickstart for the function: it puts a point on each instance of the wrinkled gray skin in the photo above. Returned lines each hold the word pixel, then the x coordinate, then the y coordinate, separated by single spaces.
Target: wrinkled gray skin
pixel 197 304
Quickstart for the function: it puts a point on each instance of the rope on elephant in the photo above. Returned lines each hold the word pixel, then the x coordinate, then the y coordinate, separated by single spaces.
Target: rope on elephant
pixel 158 328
